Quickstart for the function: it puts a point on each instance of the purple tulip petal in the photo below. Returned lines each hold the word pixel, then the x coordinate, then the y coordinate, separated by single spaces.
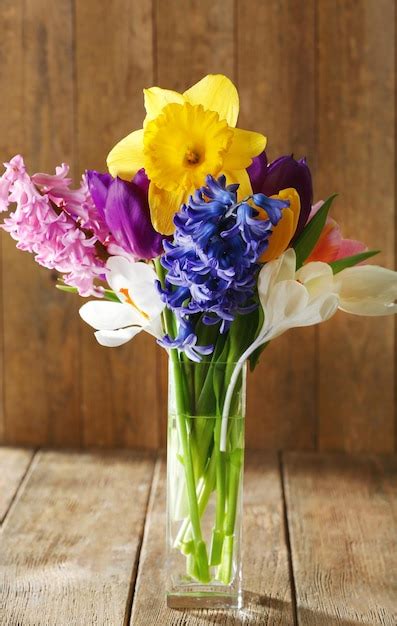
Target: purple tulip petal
pixel 286 172
pixel 142 180
pixel 257 172
pixel 98 184
pixel 128 217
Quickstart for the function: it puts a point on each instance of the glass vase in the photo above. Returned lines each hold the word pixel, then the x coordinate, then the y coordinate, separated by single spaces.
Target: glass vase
pixel 205 462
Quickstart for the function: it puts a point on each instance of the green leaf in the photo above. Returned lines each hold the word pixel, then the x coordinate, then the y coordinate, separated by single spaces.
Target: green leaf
pixel 308 238
pixel 349 261
pixel 67 288
pixel 108 294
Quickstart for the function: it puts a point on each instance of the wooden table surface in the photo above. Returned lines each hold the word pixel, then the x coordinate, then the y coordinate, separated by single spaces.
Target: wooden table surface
pixel 82 541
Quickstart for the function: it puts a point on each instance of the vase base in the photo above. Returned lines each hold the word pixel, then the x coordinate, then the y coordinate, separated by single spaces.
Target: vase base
pixel 204 600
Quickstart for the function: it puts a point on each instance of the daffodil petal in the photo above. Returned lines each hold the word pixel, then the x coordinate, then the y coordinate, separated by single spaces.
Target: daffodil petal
pixel 163 206
pixel 241 177
pixel 126 158
pixel 103 315
pixel 156 99
pixel 115 338
pixel 245 145
pixel 216 93
pixel 139 281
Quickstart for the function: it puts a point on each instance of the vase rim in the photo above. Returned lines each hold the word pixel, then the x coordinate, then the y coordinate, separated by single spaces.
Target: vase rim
pixel 209 362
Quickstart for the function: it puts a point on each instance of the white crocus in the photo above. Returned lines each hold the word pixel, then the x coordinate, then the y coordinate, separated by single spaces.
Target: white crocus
pixel 289 298
pixel 139 308
pixel 311 295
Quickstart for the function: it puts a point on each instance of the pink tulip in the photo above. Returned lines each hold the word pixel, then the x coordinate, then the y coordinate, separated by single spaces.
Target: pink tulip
pixel 331 246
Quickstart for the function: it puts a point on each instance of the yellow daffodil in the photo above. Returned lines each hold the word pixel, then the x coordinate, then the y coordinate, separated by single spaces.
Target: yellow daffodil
pixel 184 138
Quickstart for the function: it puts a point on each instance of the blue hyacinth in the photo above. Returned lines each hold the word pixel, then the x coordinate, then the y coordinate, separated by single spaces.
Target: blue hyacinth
pixel 212 262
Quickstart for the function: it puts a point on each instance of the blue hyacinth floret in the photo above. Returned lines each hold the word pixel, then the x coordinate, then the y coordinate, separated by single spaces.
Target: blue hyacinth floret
pixel 212 262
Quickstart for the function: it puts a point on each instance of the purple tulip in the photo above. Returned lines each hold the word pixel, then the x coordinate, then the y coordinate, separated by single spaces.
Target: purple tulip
pixel 99 184
pixel 142 181
pixel 282 173
pixel 257 172
pixel 124 207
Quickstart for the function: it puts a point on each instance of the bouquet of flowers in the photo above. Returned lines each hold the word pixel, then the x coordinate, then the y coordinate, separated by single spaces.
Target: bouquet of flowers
pixel 193 237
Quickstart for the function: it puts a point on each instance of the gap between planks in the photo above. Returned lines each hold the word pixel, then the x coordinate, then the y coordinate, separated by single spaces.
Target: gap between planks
pixel 68 552
pixel 15 467
pixel 267 589
pixel 342 524
pixel 79 524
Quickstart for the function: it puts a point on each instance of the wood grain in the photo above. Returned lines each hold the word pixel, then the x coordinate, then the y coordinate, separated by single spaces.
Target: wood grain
pixel 39 323
pixel 342 521
pixel 114 61
pixel 317 77
pixel 193 38
pixel 11 104
pixel 11 138
pixel 14 463
pixel 356 151
pixel 276 80
pixel 267 595
pixel 69 548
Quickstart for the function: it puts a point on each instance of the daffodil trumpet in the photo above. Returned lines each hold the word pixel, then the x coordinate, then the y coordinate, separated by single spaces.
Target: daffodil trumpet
pixel 195 238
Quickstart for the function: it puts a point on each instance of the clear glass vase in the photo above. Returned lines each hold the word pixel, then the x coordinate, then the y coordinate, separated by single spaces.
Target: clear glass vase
pixel 205 462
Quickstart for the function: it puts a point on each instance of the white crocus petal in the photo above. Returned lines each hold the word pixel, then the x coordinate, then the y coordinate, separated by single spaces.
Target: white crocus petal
pixel 140 281
pixel 287 268
pixel 367 290
pixel 115 338
pixel 320 309
pixel 286 300
pixel 103 315
pixel 317 277
pixel 282 268
pixel 291 305
pixel 140 307
pixel 155 327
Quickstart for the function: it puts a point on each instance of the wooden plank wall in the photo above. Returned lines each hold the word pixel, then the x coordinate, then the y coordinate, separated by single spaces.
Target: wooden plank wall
pixel 317 77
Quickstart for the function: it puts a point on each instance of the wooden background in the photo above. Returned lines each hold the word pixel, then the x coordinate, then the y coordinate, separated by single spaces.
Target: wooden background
pixel 317 77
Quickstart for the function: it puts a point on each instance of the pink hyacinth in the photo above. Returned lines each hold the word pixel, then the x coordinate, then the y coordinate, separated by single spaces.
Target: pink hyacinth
pixel 57 224
pixel 76 202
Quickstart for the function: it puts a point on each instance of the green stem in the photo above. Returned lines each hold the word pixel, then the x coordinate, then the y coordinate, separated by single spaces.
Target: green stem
pixel 201 567
pixel 235 463
pixel 207 487
pixel 217 532
pixel 201 557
